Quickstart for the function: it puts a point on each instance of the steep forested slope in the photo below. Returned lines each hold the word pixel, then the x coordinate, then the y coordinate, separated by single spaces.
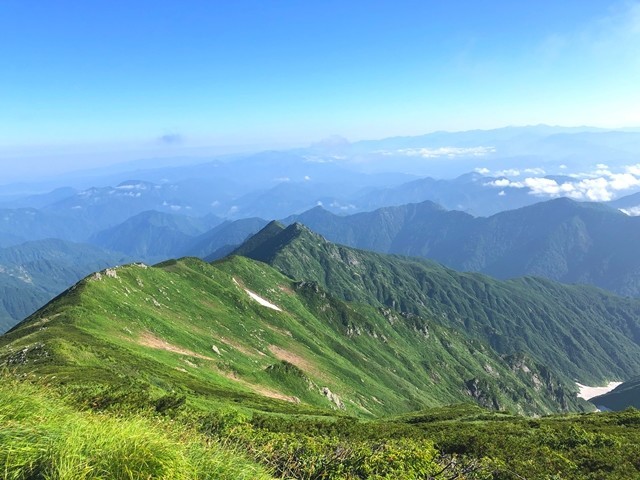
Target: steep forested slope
pixel 583 332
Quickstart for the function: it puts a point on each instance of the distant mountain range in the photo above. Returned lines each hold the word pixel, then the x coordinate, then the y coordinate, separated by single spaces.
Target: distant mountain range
pixel 207 208
pixel 472 193
pixel 514 166
pixel 560 239
pixel 154 236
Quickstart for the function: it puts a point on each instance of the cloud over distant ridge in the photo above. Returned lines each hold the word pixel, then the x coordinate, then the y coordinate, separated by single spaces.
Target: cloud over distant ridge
pixel 600 185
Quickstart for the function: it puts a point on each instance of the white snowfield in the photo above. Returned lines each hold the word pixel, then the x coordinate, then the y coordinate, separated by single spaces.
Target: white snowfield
pixel 587 392
pixel 258 298
pixel 262 301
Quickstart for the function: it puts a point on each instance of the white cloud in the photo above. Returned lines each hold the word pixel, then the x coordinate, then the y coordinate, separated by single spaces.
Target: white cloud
pixel 623 181
pixel 337 205
pixel 599 185
pixel 594 189
pixel 633 169
pixel 505 182
pixel 317 159
pixel 602 172
pixel 502 193
pixel 307 178
pixel 450 152
pixel 511 172
pixel 542 186
pixel 507 173
pixel 501 182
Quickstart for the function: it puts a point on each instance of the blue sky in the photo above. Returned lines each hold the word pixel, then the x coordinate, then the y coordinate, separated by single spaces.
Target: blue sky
pixel 93 81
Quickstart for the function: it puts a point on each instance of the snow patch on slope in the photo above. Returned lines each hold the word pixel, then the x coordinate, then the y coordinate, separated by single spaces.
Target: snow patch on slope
pixel 259 299
pixel 588 393
pixel 262 301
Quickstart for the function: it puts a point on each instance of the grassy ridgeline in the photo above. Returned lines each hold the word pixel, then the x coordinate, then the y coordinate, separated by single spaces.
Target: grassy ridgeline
pixel 42 438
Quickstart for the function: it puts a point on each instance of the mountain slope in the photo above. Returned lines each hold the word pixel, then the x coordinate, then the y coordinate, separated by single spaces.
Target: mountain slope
pixel 560 239
pixel 624 396
pixel 240 331
pixel 584 333
pixel 33 273
pixel 152 236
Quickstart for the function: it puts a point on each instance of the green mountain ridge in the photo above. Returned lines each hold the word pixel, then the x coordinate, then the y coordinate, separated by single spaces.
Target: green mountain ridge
pixel 583 333
pixel 564 240
pixel 193 327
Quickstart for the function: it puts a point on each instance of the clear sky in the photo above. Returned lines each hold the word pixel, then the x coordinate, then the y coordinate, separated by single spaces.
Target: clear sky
pixel 85 81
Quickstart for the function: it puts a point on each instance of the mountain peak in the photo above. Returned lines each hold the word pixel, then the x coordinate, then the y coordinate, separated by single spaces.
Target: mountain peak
pixel 297 227
pixel 272 239
pixel 260 243
pixel 273 225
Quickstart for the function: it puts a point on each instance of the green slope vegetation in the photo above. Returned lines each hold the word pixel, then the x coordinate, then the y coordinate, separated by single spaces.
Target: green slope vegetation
pixel 45 436
pixel 33 273
pixel 41 437
pixel 583 333
pixel 561 239
pixel 621 397
pixel 588 446
pixel 191 328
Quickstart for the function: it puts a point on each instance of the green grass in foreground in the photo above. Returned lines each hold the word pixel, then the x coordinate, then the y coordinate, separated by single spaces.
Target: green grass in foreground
pixel 42 438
